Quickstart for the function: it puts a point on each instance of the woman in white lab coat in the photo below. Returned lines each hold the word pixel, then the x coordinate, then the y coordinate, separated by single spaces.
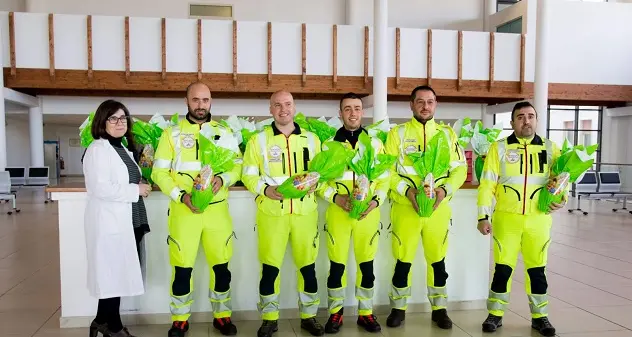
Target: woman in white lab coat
pixel 114 209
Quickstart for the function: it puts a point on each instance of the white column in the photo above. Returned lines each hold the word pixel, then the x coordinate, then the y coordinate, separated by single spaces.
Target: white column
pixel 353 12
pixel 490 9
pixel 486 118
pixel 3 127
pixel 380 26
pixel 36 132
pixel 541 79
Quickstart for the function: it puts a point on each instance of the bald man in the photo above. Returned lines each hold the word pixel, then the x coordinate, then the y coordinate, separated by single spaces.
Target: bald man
pixel 272 156
pixel 176 164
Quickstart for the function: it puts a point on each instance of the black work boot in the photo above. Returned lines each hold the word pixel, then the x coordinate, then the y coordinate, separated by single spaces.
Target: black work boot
pixel 369 323
pixel 225 326
pixel 312 326
pixel 543 325
pixel 396 318
pixel 334 323
pixel 268 328
pixel 492 323
pixel 178 329
pixel 440 317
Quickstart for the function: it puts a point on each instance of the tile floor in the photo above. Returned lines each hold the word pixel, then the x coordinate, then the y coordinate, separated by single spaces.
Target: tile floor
pixel 590 277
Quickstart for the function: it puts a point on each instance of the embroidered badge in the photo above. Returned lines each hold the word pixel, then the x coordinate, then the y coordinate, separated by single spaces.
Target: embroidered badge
pixel 275 153
pixel 512 156
pixel 188 140
pixel 410 149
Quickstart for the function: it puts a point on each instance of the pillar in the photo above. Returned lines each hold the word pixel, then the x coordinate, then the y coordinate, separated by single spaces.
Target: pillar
pixel 490 9
pixel 354 10
pixel 3 125
pixel 541 79
pixel 380 73
pixel 486 118
pixel 36 133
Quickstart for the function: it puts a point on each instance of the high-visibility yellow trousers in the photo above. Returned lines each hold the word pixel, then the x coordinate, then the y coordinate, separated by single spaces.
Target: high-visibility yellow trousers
pixel 407 229
pixel 274 233
pixel 214 229
pixel 531 235
pixel 340 230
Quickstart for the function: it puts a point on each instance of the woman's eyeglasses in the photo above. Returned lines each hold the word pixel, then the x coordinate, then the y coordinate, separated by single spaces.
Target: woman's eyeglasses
pixel 114 120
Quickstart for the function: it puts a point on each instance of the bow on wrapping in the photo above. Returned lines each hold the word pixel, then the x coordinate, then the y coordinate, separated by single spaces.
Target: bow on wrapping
pixel 482 139
pixel 148 135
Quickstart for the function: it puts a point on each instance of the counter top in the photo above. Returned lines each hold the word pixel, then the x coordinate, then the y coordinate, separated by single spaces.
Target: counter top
pixel 81 187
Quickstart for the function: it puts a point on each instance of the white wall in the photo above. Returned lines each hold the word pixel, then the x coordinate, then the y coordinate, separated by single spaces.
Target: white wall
pixel 18 142
pixel 13 5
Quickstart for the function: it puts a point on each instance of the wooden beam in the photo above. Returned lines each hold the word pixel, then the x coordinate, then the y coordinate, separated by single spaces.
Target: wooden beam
pixel 335 55
pixel 269 53
pixel 234 52
pixel 366 56
pixel 89 30
pixel 397 56
pixel 12 42
pixel 492 48
pixel 429 64
pixel 304 53
pixel 164 48
pixel 523 50
pixel 199 49
pixel 127 66
pixel 460 61
pixel 51 45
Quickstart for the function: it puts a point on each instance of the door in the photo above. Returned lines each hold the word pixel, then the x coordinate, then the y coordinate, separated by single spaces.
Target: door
pixel 51 159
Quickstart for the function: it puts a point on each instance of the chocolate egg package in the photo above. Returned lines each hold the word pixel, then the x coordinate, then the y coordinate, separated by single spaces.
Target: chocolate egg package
pixel 147 134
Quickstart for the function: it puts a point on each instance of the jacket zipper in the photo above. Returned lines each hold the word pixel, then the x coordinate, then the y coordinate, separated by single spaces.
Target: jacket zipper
pixel 526 174
pixel 424 126
pixel 287 142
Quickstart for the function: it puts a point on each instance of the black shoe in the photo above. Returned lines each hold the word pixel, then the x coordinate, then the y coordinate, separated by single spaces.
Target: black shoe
pixel 396 318
pixel 178 329
pixel 268 328
pixel 543 325
pixel 369 323
pixel 334 323
pixel 441 318
pixel 225 326
pixel 312 326
pixel 492 323
pixel 96 328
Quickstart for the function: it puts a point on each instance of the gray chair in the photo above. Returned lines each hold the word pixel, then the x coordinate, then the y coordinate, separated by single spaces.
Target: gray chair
pixel 5 191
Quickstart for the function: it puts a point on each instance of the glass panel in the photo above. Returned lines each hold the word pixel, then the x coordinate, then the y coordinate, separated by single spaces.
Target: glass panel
pixel 504 118
pixel 588 138
pixel 562 119
pixel 211 10
pixel 558 136
pixel 588 120
pixel 562 107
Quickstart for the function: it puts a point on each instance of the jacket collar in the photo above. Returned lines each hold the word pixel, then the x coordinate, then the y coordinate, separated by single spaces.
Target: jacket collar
pixel 429 126
pixel 191 121
pixel 537 140
pixel 276 132
pixel 343 135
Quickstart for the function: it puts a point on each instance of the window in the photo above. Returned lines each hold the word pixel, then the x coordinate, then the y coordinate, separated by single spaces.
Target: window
pixel 502 4
pixel 580 125
pixel 505 119
pixel 514 26
pixel 205 11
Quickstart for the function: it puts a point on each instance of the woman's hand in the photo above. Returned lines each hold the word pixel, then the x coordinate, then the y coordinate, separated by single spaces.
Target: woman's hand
pixel 144 190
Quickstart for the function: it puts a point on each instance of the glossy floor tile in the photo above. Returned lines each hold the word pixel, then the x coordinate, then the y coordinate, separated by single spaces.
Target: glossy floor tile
pixel 589 274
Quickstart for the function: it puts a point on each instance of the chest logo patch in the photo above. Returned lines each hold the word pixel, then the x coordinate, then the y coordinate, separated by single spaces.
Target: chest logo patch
pixel 512 156
pixel 188 141
pixel 410 149
pixel 275 153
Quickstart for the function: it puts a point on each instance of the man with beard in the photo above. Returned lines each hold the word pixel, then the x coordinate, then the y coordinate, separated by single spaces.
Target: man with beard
pixel 176 164
pixel 515 170
pixel 408 226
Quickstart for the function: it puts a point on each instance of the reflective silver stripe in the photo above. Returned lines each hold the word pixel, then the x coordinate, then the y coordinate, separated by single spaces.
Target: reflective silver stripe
pixel 439 301
pixel 402 132
pixel 519 180
pixel 348 175
pixel 364 293
pixel 260 186
pixel 274 180
pixel 336 299
pixel 456 163
pixel 177 145
pixel 268 304
pixel 381 196
pixel 263 148
pixel 175 194
pixel 549 151
pixel 502 148
pixel 181 305
pixel 162 164
pixel 410 170
pixel 493 305
pixel 308 303
pixel 489 175
pixel 187 166
pixel 311 143
pixel 502 297
pixel 484 210
pixel 329 193
pixel 402 187
pixel 433 292
pixel 538 303
pixel 250 171
pixel 448 189
pixel 384 175
pixel 226 178
pixel 220 302
pixel 399 297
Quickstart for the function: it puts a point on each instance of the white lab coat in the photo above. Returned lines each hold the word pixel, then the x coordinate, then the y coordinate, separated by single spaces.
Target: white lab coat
pixel 113 265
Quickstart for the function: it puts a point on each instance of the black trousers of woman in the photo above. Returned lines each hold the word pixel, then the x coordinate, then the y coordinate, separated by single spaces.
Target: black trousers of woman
pixel 108 312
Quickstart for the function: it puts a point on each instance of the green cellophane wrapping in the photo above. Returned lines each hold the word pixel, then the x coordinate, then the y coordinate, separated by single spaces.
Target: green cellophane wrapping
pixel 216 156
pixel 242 128
pixel 367 165
pixel 572 164
pixel 85 132
pixel 148 134
pixel 464 131
pixel 380 130
pixel 328 164
pixel 482 139
pixel 322 129
pixel 430 165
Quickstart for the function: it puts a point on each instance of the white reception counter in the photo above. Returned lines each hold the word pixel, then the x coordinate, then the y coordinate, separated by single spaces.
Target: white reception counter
pixel 467 264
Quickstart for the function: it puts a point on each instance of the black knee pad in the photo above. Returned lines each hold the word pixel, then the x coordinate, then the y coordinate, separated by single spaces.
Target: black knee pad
pixel 502 273
pixel 222 277
pixel 368 278
pixel 538 280
pixel 309 279
pixel 181 281
pixel 400 276
pixel 336 270
pixel 268 277
pixel 440 274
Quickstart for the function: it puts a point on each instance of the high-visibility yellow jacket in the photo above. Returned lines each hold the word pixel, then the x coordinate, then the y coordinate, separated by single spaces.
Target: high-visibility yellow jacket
pixel 515 171
pixel 344 185
pixel 176 162
pixel 412 136
pixel 270 159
